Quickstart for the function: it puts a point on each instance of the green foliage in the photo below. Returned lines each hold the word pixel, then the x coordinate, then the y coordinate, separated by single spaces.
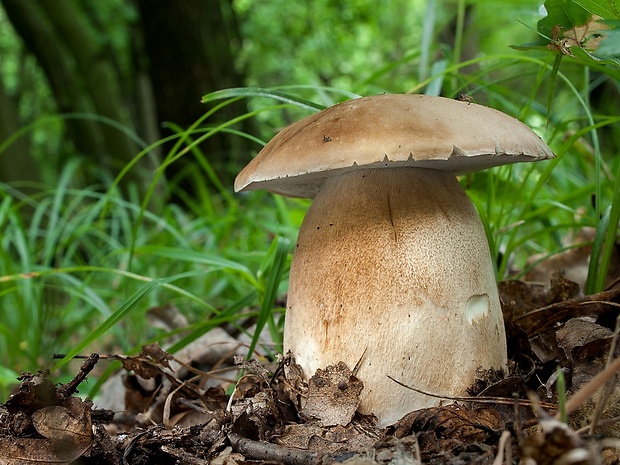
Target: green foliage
pixel 323 42
pixel 586 30
pixel 81 267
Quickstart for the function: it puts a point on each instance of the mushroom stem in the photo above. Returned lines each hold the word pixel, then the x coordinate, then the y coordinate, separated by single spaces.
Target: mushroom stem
pixel 392 269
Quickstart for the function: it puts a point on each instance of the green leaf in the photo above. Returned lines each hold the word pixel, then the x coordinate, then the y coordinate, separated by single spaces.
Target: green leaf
pixel 605 247
pixel 610 45
pixel 7 376
pixel 592 59
pixel 193 256
pixel 606 9
pixel 594 272
pixel 573 28
pixel 262 92
pixel 553 80
pixel 565 14
pixel 120 313
pixel 561 386
pixel 274 277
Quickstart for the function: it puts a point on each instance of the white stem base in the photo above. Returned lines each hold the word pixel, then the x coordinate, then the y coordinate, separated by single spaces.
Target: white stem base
pixel 392 270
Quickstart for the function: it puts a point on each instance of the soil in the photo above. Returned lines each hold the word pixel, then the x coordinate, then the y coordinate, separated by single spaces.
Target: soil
pixel 174 413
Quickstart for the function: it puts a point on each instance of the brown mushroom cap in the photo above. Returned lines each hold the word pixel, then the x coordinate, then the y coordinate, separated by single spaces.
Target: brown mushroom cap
pixel 390 131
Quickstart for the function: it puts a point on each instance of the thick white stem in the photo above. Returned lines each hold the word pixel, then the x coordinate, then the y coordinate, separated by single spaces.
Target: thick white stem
pixel 392 269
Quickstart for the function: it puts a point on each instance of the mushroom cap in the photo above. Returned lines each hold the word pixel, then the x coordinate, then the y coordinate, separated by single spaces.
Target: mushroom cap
pixel 389 131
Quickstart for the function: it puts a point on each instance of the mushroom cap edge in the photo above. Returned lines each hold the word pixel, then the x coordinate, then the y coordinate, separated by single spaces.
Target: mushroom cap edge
pixel 389 131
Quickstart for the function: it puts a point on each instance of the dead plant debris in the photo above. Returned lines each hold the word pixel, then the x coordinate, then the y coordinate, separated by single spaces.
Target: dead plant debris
pixel 175 413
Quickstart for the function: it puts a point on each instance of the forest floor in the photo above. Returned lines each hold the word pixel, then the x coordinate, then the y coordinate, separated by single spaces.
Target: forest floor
pixel 170 415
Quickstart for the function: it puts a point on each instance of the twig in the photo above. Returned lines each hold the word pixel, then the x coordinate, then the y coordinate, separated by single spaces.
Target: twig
pixel 590 388
pixel 560 310
pixel 479 400
pixel 359 362
pixel 81 356
pixel 70 388
pixel 603 422
pixel 133 442
pixel 255 450
pixel 499 458
pixel 603 395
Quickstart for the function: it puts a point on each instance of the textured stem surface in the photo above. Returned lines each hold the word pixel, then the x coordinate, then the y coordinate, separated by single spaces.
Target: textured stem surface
pixel 392 267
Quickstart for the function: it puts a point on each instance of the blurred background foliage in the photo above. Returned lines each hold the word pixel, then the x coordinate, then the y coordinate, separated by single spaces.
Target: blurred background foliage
pixel 140 64
pixel 116 179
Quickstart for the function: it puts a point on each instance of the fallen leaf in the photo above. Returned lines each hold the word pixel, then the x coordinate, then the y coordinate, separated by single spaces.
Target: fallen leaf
pixel 67 434
pixel 256 415
pixel 578 332
pixel 440 424
pixel 69 422
pixel 333 396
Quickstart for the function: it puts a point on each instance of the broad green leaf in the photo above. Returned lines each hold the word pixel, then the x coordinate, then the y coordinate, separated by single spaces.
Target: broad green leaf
pixel 592 59
pixel 562 14
pixel 586 30
pixel 610 45
pixel 606 9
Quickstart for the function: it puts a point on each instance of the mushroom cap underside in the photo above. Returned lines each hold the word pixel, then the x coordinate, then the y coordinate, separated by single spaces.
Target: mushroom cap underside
pixel 389 131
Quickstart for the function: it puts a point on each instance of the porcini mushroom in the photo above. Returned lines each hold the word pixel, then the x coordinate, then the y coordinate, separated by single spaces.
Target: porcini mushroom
pixel 392 271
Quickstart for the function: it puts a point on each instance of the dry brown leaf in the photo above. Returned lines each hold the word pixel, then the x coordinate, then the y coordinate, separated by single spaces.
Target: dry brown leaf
pixel 577 332
pixel 67 431
pixel 437 425
pixel 540 319
pixel 35 391
pixel 312 437
pixel 588 35
pixel 333 396
pixel 69 422
pixel 522 300
pixel 257 416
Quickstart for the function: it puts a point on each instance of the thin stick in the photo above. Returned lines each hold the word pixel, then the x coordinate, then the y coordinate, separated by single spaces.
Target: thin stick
pixel 603 395
pixel 255 450
pixel 479 400
pixel 499 458
pixel 590 388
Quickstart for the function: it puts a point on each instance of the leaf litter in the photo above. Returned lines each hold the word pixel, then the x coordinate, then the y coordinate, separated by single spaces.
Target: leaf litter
pixel 563 361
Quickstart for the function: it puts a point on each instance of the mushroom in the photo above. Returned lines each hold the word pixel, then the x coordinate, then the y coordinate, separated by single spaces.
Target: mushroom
pixel 392 272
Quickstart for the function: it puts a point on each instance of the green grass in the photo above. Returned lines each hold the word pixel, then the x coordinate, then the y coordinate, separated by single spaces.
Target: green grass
pixel 80 268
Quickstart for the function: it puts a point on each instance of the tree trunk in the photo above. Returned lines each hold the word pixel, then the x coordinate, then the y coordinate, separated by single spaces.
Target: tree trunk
pixel 41 41
pixel 183 50
pixel 100 78
pixel 81 77
pixel 16 161
pixel 189 46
